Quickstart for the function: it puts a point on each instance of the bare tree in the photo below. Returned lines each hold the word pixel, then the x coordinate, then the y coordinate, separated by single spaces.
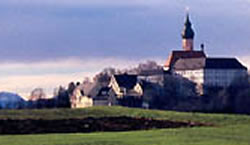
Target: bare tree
pixel 36 94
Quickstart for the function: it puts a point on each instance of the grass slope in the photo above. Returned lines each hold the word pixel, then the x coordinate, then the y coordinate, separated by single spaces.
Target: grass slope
pixel 229 130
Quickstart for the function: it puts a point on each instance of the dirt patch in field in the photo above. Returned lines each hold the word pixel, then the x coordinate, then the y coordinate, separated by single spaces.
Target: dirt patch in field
pixel 88 125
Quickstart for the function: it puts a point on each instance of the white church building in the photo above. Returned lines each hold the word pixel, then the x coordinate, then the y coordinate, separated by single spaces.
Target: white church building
pixel 195 66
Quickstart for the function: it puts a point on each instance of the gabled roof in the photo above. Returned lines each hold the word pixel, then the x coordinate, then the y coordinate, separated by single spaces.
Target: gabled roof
pixel 208 63
pixel 224 63
pixel 126 81
pixel 175 55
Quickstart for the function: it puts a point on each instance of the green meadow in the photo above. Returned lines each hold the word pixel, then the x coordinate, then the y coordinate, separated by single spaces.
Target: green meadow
pixel 226 129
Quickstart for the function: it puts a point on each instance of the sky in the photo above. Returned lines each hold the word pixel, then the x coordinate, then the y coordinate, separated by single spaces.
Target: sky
pixel 48 43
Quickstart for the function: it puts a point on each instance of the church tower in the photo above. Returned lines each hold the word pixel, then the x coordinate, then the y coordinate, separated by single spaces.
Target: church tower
pixel 187 47
pixel 188 35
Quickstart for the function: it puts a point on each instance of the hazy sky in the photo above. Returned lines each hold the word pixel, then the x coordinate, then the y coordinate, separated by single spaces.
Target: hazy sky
pixel 45 43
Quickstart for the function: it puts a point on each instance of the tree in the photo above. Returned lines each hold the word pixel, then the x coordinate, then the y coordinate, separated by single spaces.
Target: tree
pixel 71 88
pixel 36 94
pixel 63 99
pixel 234 98
pixel 104 77
pixel 173 93
pixel 149 65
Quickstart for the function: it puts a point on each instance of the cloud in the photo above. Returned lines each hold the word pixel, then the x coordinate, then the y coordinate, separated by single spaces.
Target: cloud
pixel 86 2
pixel 36 30
pixel 23 85
pixel 64 66
pixel 22 77
pixel 40 33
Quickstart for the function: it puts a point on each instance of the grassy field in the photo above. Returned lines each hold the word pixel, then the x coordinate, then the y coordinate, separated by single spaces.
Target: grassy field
pixel 228 129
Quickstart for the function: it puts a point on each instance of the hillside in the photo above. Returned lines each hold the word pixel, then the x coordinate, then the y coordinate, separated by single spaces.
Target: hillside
pixel 227 129
pixel 55 114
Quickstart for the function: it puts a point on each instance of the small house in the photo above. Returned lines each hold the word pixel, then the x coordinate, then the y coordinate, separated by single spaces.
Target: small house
pixel 127 89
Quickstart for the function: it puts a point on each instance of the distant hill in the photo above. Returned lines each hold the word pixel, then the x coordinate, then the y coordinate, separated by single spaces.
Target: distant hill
pixel 11 101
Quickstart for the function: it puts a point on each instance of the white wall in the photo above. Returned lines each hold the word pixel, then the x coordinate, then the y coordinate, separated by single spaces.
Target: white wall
pixel 196 76
pixel 212 77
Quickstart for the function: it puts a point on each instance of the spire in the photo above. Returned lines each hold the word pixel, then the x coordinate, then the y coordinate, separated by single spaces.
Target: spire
pixel 188 23
pixel 188 32
pixel 187 35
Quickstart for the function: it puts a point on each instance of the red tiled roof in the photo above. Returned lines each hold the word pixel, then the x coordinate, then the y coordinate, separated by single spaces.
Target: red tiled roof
pixel 175 55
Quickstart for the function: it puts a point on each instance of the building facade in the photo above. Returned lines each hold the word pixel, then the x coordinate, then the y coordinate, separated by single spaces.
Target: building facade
pixel 127 90
pixel 210 72
pixel 79 100
pixel 105 97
